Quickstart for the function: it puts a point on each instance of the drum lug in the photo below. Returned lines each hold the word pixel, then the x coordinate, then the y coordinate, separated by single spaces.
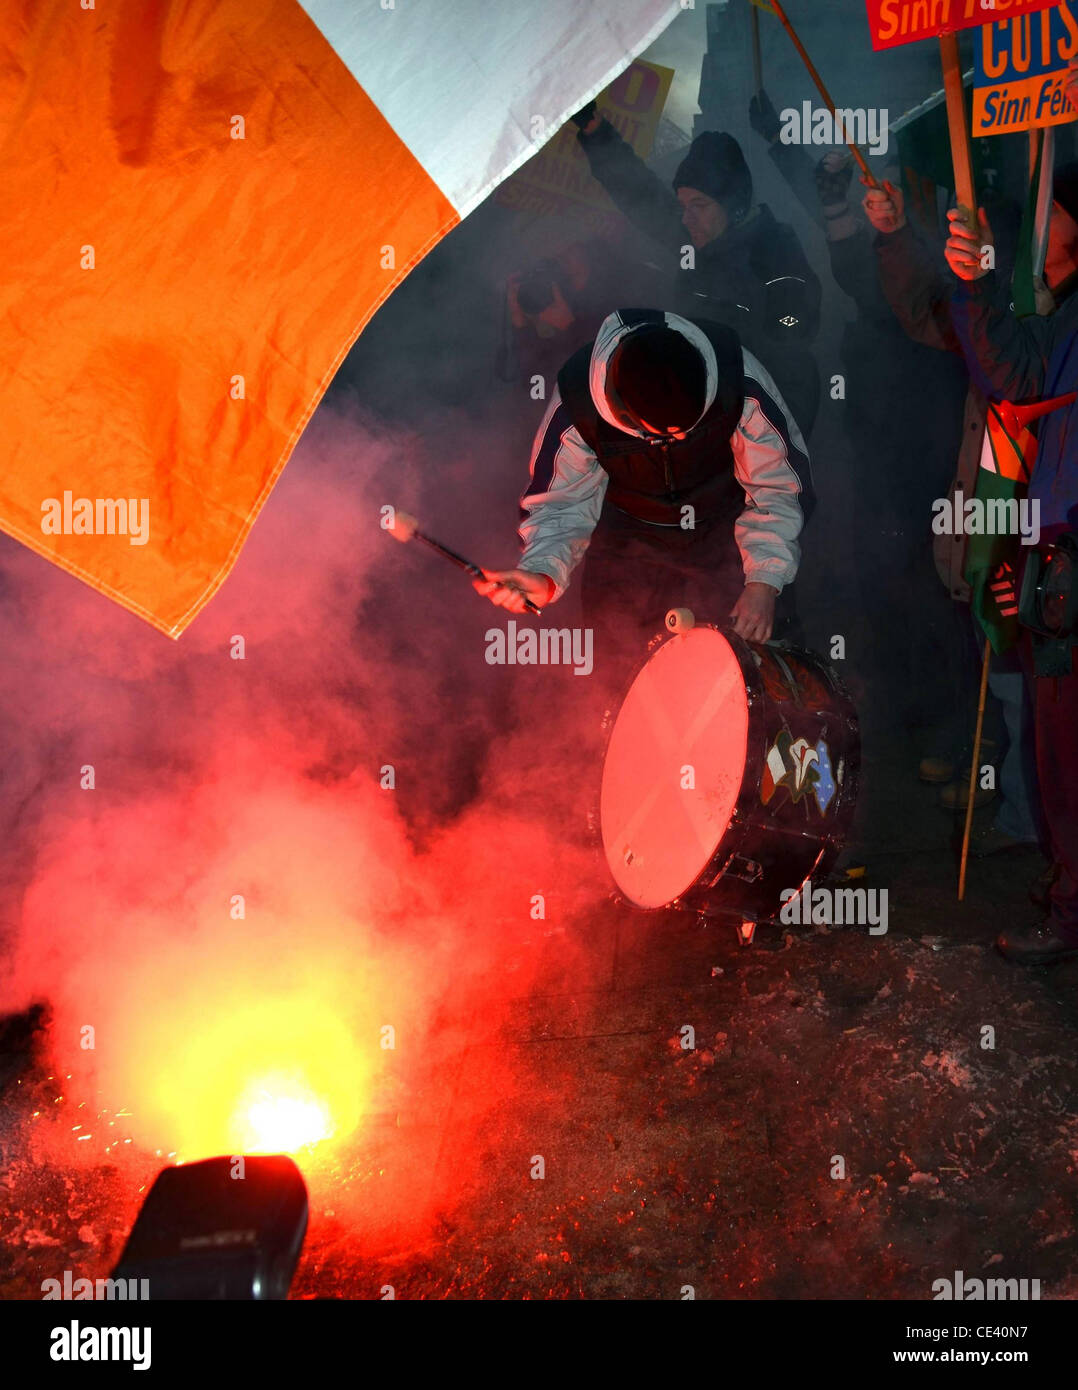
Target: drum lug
pixel 746 932
pixel 738 866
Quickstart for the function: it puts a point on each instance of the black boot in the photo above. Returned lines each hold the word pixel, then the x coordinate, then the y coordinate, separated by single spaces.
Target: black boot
pixel 1035 945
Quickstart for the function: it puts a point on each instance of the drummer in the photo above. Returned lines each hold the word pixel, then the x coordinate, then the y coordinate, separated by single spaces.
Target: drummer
pixel 668 456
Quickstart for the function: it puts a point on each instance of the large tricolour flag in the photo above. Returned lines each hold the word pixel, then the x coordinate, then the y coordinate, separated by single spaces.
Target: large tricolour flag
pixel 204 202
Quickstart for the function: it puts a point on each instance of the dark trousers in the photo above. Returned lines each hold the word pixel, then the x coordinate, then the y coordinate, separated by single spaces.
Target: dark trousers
pixel 1056 729
pixel 634 573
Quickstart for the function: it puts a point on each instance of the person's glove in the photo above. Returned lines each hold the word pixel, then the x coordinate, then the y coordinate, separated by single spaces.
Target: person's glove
pixel 833 175
pixel 764 118
pixel 885 208
pixel 584 116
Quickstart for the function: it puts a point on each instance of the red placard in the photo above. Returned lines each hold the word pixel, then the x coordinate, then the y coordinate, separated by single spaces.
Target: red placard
pixel 893 22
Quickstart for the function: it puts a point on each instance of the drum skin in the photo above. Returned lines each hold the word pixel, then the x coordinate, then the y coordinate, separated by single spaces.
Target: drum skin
pixel 674 767
pixel 730 774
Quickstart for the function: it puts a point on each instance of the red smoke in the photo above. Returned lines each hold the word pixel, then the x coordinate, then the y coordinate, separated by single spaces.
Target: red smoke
pixel 220 1025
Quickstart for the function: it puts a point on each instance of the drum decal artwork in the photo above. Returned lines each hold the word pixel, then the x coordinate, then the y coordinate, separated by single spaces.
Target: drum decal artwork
pixel 800 767
pixel 824 789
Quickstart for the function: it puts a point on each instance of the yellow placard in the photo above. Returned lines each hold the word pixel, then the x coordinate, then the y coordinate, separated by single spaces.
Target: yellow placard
pixel 558 177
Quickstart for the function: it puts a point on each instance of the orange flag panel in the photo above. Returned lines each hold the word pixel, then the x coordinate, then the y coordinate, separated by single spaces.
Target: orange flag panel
pixel 198 201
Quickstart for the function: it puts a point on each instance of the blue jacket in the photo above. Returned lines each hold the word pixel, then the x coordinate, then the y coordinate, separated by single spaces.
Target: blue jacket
pixel 1029 359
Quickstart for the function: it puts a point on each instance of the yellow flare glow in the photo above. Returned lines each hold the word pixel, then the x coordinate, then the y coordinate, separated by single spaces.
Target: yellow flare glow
pixel 281 1123
pixel 272 1076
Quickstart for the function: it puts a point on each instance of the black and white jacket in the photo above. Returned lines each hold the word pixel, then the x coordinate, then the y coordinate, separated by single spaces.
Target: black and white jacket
pixel 564 499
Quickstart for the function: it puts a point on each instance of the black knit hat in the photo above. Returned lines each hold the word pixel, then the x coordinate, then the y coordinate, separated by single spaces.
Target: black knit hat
pixel 716 166
pixel 659 376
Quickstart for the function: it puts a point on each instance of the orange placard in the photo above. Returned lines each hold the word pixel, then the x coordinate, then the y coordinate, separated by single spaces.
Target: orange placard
pixel 894 22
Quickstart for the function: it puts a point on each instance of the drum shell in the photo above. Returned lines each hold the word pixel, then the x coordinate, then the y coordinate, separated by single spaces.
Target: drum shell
pixel 776 845
pixel 772 845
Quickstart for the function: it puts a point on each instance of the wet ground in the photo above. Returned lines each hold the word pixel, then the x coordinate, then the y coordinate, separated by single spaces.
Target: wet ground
pixel 842 1126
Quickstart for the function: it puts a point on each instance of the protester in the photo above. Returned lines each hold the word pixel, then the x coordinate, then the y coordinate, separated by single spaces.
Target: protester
pixel 556 305
pixel 667 455
pixel 915 672
pixel 1019 359
pixel 822 188
pixel 919 293
pixel 743 268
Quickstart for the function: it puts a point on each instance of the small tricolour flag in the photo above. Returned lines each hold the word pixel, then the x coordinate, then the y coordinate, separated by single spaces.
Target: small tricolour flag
pixel 992 559
pixel 204 202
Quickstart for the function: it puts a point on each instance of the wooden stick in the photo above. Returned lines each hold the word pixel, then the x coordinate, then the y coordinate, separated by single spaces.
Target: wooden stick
pixel 757 65
pixel 1042 216
pixel 973 770
pixel 406 528
pixel 958 127
pixel 862 163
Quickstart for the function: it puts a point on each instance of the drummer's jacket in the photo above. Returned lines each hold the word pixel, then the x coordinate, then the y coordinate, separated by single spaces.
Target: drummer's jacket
pixel 742 464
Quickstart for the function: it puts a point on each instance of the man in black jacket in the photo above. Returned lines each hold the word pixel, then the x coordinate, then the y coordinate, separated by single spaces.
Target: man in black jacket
pixel 743 269
pixel 668 459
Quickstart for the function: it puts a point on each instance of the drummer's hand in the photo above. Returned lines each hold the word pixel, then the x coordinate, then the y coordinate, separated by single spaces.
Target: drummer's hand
pixel 509 588
pixel 754 612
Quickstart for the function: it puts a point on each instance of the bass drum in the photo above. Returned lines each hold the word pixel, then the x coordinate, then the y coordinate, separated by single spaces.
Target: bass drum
pixel 730 774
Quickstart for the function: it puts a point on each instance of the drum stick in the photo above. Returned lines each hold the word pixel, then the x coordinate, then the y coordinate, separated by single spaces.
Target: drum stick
pixel 757 65
pixel 973 772
pixel 862 162
pixel 406 528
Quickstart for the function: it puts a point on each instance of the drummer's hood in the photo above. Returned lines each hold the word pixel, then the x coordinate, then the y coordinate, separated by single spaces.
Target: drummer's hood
pixel 614 329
